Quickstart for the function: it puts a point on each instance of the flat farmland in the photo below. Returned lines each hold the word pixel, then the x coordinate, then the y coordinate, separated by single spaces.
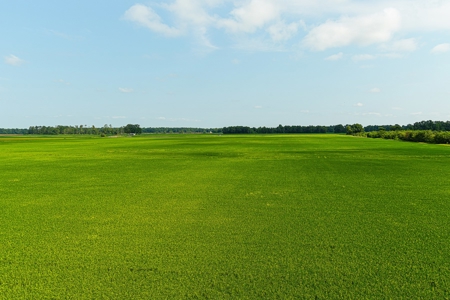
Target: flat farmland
pixel 223 217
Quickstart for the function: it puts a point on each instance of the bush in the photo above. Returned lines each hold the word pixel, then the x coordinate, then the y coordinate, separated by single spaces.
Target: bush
pixel 421 136
pixel 442 137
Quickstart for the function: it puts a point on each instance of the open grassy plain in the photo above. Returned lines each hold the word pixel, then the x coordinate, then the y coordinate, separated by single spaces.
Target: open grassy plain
pixel 202 216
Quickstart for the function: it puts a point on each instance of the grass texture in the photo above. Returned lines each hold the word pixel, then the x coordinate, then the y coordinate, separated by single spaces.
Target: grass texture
pixel 223 217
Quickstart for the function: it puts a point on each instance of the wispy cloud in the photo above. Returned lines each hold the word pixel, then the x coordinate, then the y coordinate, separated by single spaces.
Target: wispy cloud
pixel 335 57
pixel 404 45
pixel 177 119
pixel 362 57
pixel 147 17
pixel 63 82
pixel 441 48
pixel 281 31
pixel 13 60
pixel 392 55
pixel 375 90
pixel 371 114
pixel 64 36
pixel 359 104
pixel 126 90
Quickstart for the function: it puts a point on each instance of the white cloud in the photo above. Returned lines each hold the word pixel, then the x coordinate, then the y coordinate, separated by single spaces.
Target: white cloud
pixel 441 48
pixel 282 31
pixel 326 23
pixel 425 15
pixel 362 57
pixel 63 82
pixel 359 104
pixel 375 90
pixel 13 60
pixel 146 16
pixel 64 35
pixel 191 16
pixel 253 15
pixel 177 119
pixel 392 55
pixel 126 90
pixel 258 107
pixel 404 45
pixel 370 114
pixel 257 44
pixel 361 30
pixel 335 57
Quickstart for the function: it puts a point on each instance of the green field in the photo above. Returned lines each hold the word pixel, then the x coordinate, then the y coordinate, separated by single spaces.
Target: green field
pixel 233 217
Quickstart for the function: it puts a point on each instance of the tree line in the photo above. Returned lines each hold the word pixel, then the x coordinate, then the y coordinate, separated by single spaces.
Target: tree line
pixel 107 130
pixel 348 129
pixel 179 130
pixel 84 129
pixel 422 125
pixel 136 129
pixel 284 129
pixel 13 131
pixel 77 129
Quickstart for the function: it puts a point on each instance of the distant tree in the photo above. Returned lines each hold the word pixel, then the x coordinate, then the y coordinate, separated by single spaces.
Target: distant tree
pixel 354 129
pixel 132 128
pixel 339 128
pixel 94 130
pixel 280 129
pixel 106 129
pixel 396 127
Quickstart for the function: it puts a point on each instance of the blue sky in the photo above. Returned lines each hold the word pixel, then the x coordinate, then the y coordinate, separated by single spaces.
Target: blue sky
pixel 215 63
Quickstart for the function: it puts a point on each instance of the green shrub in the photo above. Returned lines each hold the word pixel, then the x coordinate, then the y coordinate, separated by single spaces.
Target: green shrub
pixel 420 136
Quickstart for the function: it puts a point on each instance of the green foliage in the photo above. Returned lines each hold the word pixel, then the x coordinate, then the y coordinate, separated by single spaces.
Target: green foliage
pixel 223 217
pixel 63 129
pixel 422 136
pixel 354 129
pixel 422 125
pixel 13 131
pixel 130 128
pixel 133 128
pixel 179 130
pixel 283 129
pixel 105 130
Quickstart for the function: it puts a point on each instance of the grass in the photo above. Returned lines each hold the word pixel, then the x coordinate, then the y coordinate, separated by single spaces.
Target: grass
pixel 202 216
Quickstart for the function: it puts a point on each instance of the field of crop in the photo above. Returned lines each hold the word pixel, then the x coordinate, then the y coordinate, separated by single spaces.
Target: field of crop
pixel 237 217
